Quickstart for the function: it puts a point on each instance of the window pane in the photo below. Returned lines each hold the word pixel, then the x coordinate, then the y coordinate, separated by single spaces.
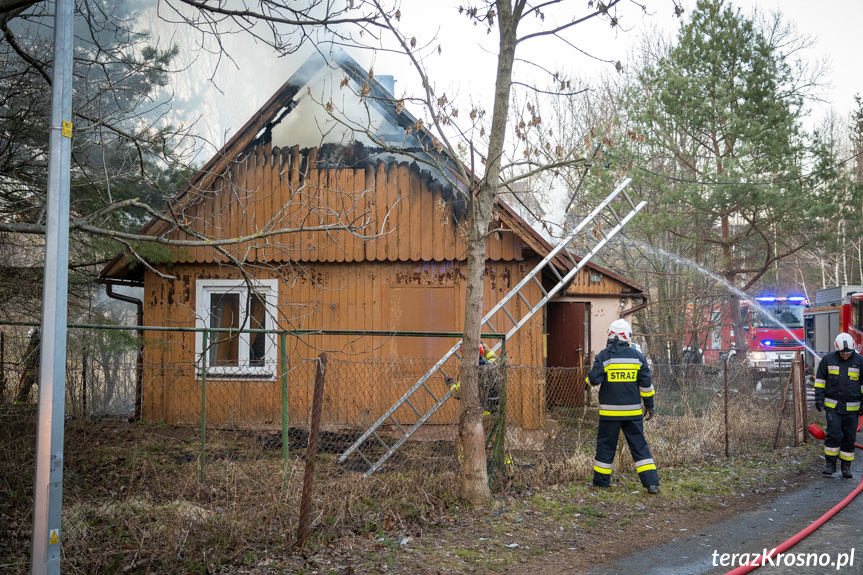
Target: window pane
pixel 225 313
pixel 257 341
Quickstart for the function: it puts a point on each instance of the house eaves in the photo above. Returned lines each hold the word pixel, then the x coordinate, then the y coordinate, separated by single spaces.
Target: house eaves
pixel 541 246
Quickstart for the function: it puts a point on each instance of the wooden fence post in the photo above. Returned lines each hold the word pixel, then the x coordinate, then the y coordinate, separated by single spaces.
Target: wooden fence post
pixel 311 453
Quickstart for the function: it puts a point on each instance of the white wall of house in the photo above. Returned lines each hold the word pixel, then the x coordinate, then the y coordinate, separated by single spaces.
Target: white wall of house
pixel 603 311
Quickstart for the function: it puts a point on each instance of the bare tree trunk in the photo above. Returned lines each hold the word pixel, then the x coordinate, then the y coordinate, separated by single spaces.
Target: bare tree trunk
pixel 740 343
pixel 474 476
pixel 860 259
pixel 844 254
pixel 799 270
pixel 823 274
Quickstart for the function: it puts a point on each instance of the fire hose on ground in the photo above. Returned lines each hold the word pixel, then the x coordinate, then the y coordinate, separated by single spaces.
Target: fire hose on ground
pixel 818 433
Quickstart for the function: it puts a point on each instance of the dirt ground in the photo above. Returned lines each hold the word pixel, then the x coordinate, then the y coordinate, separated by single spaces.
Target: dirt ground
pixel 566 529
pixel 134 503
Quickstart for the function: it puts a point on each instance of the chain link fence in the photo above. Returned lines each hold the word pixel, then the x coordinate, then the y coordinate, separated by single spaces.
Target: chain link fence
pixel 209 455
pixel 100 371
pixel 549 413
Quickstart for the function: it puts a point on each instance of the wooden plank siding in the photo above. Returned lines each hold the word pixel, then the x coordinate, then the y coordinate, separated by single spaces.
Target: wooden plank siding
pixel 581 284
pixel 408 216
pixel 400 268
pixel 373 372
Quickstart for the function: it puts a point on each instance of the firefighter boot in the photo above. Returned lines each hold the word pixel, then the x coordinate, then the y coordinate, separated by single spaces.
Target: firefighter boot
pixel 829 466
pixel 846 469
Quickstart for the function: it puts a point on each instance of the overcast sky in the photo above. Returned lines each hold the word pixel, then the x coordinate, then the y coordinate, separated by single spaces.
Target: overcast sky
pixel 465 68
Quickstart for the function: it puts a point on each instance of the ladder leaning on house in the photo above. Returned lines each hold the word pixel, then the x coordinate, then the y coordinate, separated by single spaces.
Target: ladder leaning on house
pixel 577 237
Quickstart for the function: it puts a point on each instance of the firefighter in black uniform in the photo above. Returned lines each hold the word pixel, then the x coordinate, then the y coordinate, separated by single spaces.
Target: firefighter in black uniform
pixel 488 379
pixel 839 391
pixel 625 378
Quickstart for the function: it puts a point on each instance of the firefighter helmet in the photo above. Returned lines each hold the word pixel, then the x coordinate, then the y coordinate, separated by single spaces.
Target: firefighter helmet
pixel 620 330
pixel 844 342
pixel 483 352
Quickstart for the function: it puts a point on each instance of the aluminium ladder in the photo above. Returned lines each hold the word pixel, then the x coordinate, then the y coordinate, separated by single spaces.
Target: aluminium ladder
pixel 577 237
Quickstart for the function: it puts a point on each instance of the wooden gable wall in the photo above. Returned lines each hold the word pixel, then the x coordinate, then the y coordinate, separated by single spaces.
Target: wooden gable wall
pixel 398 211
pixel 607 286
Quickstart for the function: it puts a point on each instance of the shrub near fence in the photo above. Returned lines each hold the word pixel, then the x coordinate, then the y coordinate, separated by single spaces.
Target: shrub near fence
pixel 128 485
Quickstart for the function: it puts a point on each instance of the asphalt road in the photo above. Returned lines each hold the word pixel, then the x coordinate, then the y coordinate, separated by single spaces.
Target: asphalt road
pixel 700 553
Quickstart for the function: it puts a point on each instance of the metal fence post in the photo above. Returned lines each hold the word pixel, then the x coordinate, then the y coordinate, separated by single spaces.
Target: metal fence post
pixel 283 347
pixel 84 385
pixel 2 366
pixel 792 383
pixel 804 406
pixel 799 401
pixel 203 401
pixel 725 398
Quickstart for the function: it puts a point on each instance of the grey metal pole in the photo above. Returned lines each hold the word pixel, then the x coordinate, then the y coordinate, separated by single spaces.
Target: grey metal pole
pixel 48 477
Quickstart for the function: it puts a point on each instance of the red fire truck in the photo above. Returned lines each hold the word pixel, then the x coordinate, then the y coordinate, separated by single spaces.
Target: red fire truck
pixel 836 310
pixel 773 327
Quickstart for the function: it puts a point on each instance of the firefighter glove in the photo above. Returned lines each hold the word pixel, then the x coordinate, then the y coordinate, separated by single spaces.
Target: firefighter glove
pixel 648 415
pixel 819 404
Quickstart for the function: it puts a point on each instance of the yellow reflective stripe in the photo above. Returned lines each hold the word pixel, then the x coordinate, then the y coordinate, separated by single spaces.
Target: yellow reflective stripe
pixel 852 407
pixel 620 413
pixel 650 393
pixel 623 360
pixel 820 384
pixel 830 403
pixel 602 470
pixel 635 366
pixel 647 467
pixel 831 450
pixel 846 456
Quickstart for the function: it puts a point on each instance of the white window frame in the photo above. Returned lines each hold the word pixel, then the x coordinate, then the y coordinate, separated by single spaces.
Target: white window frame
pixel 268 289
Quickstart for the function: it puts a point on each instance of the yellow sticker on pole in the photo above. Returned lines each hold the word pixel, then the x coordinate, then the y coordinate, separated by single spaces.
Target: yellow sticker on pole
pixel 54 538
pixel 67 129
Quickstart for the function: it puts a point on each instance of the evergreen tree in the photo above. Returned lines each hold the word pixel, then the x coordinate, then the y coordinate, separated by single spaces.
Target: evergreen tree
pixel 722 108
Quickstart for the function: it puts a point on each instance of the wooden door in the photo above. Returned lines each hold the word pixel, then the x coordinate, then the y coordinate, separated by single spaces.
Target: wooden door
pixel 568 344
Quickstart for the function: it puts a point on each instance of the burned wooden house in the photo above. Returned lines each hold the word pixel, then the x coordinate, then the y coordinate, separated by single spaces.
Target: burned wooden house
pixel 310 235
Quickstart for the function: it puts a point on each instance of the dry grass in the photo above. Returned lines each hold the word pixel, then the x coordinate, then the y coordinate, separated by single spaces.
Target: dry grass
pixel 133 501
